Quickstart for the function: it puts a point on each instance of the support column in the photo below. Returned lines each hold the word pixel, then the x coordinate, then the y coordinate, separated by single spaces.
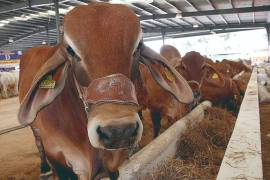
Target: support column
pixel 163 36
pixel 56 6
pixel 48 36
pixel 268 39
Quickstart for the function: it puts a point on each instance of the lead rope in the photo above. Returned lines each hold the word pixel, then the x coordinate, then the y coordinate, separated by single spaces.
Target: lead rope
pixel 198 84
pixel 79 90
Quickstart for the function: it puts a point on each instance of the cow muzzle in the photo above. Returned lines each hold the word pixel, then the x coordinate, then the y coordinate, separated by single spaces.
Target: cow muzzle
pixel 113 120
pixel 114 126
pixel 121 136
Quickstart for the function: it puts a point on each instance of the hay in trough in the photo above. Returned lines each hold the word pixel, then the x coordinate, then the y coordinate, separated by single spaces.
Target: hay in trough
pixel 200 150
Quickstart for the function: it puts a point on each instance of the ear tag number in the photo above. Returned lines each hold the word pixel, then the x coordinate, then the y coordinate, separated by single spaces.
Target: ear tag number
pixel 169 75
pixel 215 76
pixel 47 83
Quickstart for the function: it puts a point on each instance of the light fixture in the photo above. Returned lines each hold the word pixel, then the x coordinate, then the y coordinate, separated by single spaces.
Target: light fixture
pixel 25 17
pixel 43 42
pixel 179 15
pixel 212 32
pixel 34 15
pixel 4 21
pixel 50 12
pixel 42 13
pixel 1 24
pixel 130 1
pixel 195 25
pixel 63 11
pixel 18 18
pixel 10 40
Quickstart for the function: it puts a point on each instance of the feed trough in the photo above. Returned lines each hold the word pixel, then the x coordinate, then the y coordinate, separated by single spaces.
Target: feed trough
pixel 242 158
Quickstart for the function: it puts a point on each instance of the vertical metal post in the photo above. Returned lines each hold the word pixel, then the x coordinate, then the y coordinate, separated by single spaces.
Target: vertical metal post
pixel 29 4
pixel 56 7
pixel 163 36
pixel 268 40
pixel 48 36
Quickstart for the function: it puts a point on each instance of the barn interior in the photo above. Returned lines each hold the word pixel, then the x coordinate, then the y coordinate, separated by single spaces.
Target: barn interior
pixel 30 23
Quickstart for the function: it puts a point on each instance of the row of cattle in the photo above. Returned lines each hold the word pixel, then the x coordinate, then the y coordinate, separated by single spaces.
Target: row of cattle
pixel 219 82
pixel 264 82
pixel 9 84
pixel 83 97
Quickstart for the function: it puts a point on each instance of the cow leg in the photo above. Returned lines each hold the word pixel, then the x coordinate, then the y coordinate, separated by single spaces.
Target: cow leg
pixel 156 119
pixel 236 95
pixel 45 169
pixel 5 92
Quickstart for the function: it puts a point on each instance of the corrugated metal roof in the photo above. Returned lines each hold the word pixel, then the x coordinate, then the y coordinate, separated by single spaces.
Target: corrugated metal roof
pixel 26 23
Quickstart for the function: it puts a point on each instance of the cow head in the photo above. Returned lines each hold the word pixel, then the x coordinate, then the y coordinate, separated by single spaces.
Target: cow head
pixel 103 50
pixel 171 54
pixel 100 48
pixel 197 72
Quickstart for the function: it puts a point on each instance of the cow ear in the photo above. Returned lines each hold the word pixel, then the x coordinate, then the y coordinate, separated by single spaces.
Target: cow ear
pixel 48 82
pixel 214 76
pixel 165 75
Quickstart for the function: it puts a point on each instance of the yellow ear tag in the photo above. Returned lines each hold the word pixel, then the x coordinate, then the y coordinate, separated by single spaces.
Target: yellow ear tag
pixel 47 83
pixel 215 76
pixel 169 75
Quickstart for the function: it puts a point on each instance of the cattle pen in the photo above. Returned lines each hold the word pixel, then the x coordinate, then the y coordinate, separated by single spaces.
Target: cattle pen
pixel 236 162
pixel 135 89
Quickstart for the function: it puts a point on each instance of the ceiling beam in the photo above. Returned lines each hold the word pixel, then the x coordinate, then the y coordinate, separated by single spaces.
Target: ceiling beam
pixel 210 2
pixel 192 34
pixel 38 30
pixel 197 9
pixel 172 21
pixel 154 9
pixel 24 5
pixel 229 26
pixel 206 13
pixel 253 2
pixel 178 10
pixel 237 15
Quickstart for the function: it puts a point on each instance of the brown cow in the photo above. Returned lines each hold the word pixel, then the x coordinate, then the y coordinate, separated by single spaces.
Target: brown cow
pixel 211 84
pixel 78 97
pixel 161 104
pixel 229 68
pixel 241 81
pixel 171 54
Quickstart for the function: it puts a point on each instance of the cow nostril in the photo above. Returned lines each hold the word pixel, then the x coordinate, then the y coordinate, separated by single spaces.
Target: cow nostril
pixel 136 129
pixel 101 134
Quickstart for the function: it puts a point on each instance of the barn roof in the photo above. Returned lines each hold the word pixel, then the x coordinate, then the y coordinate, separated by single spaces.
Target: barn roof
pixel 26 23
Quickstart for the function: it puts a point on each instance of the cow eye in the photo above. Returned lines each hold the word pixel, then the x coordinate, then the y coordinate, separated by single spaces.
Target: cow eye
pixel 72 53
pixel 183 67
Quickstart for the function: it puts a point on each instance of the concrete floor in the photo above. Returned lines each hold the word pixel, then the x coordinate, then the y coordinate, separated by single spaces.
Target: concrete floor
pixel 18 153
pixel 8 113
